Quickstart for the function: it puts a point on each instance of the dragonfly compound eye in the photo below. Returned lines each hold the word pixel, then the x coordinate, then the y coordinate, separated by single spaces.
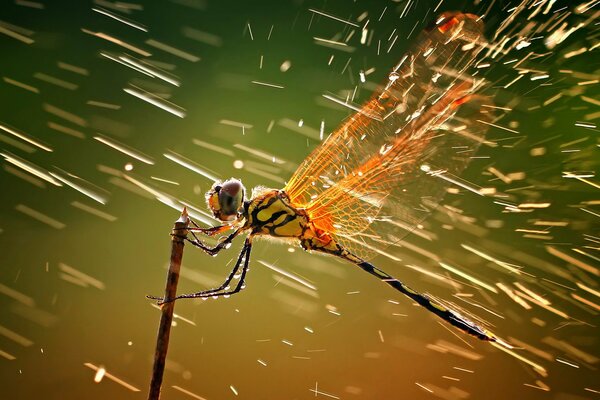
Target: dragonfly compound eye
pixel 225 199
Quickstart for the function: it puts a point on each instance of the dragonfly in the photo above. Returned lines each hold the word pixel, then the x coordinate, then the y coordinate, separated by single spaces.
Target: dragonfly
pixel 376 177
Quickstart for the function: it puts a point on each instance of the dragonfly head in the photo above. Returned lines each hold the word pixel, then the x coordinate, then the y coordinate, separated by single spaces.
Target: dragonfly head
pixel 225 199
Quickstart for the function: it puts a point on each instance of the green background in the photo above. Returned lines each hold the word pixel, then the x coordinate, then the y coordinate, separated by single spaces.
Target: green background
pixel 71 325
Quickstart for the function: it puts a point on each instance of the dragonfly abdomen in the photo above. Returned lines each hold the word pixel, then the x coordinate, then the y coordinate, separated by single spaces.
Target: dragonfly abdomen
pixel 425 301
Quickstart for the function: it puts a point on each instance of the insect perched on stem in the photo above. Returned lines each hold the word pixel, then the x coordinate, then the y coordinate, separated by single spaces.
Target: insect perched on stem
pixel 380 173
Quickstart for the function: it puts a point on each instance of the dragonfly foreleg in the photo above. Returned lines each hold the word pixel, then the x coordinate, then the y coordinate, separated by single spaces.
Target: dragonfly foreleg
pixel 212 231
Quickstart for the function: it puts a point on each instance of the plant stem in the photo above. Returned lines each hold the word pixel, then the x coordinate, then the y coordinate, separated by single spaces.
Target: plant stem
pixel 164 329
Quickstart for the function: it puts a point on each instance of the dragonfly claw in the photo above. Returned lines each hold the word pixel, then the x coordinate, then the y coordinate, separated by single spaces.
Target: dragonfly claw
pixel 159 300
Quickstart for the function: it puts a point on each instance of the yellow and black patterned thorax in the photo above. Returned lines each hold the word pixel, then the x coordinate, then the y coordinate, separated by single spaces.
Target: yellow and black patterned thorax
pixel 270 213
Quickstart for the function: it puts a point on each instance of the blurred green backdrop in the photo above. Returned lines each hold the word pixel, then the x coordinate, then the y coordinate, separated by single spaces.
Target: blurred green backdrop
pixel 380 346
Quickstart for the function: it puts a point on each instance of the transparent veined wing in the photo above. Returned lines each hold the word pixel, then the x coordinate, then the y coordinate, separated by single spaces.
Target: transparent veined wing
pixel 386 167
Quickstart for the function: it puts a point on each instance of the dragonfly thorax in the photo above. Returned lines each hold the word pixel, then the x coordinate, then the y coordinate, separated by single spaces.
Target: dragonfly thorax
pixel 270 212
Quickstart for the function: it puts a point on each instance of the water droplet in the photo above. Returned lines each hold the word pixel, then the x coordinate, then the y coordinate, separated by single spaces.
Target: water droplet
pixel 238 164
pixel 287 64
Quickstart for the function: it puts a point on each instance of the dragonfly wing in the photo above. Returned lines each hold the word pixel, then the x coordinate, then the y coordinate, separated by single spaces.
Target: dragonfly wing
pixel 387 166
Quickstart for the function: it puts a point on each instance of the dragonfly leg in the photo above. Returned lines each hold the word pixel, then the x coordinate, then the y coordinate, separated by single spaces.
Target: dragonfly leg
pixel 220 246
pixel 244 258
pixel 212 231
